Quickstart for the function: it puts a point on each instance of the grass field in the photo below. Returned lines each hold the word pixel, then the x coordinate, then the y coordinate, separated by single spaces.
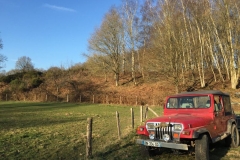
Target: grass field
pixel 57 131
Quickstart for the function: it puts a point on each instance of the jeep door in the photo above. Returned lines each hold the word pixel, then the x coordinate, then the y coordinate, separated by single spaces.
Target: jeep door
pixel 227 111
pixel 219 118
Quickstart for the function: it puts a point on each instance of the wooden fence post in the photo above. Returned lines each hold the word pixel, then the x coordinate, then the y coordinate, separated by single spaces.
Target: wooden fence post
pixel 80 99
pixel 136 100
pixel 107 99
pixel 146 112
pixel 118 125
pixel 46 98
pixel 93 99
pixel 89 139
pixel 67 98
pixel 132 115
pixel 141 113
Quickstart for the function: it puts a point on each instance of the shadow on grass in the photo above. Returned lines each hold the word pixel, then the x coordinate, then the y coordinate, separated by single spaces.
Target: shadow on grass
pixel 37 122
pixel 218 150
pixel 127 149
pixel 122 149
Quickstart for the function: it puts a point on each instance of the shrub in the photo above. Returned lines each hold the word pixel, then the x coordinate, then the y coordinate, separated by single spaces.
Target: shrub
pixel 36 82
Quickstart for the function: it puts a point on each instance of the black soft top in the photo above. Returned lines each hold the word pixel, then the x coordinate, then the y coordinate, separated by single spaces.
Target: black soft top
pixel 202 92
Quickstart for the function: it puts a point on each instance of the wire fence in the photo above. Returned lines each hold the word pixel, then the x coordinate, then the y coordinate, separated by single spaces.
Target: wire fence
pixel 87 98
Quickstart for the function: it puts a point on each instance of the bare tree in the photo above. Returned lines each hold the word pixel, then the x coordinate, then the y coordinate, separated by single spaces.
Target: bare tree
pixel 178 39
pixel 107 42
pixel 226 22
pixel 147 32
pixel 2 57
pixel 54 76
pixel 131 27
pixel 96 65
pixel 167 40
pixel 24 64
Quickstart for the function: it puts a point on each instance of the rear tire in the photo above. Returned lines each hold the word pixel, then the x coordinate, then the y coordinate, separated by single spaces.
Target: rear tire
pixel 202 148
pixel 233 139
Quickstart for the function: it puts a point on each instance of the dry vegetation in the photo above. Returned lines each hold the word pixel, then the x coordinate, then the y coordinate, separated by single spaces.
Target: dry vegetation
pixel 74 82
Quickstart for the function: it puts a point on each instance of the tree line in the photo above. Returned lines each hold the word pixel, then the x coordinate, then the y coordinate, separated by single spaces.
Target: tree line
pixel 180 39
pixel 55 82
pixel 177 38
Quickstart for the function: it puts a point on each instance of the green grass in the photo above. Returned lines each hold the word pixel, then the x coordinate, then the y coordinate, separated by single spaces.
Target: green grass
pixel 58 131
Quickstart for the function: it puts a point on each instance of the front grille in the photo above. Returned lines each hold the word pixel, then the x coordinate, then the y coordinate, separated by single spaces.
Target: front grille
pixel 160 131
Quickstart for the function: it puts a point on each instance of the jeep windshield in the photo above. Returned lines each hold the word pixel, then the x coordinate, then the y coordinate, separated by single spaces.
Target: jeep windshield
pixel 189 102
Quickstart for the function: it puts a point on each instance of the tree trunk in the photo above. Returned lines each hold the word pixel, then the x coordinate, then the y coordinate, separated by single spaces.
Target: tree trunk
pixel 200 62
pixel 220 46
pixel 124 63
pixel 117 79
pixel 105 74
pixel 214 75
pixel 234 82
pixel 133 68
pixel 143 60
pixel 176 89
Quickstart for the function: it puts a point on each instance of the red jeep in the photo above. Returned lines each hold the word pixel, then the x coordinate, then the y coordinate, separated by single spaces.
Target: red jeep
pixel 191 121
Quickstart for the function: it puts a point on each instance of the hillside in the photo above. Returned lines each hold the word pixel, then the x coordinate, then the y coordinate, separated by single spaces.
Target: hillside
pixel 80 85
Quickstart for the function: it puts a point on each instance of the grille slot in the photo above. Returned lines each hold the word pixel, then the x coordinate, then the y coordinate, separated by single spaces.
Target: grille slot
pixel 160 131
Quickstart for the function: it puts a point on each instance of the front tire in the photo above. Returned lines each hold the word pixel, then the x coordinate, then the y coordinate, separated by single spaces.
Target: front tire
pixel 202 148
pixel 233 139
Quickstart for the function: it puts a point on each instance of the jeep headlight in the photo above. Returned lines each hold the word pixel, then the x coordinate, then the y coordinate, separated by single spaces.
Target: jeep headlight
pixel 150 126
pixel 151 135
pixel 166 137
pixel 177 127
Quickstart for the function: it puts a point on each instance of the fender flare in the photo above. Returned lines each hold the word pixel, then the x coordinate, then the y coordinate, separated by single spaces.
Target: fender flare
pixel 204 130
pixel 229 125
pixel 199 132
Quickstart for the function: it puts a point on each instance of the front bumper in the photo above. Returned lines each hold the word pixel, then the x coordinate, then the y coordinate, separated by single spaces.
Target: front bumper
pixel 160 144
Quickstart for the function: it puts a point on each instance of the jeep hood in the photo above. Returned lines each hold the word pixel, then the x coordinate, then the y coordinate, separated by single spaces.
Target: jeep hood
pixel 185 119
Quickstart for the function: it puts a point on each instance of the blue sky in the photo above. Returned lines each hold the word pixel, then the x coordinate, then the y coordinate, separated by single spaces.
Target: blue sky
pixel 50 32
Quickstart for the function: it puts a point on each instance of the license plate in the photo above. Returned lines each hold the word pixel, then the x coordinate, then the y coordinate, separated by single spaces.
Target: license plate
pixel 152 144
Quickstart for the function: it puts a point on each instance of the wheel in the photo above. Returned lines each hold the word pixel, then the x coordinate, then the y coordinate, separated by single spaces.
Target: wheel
pixel 233 139
pixel 202 148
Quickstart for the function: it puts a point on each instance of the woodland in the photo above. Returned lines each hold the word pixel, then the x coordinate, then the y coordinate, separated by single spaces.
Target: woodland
pixel 145 49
